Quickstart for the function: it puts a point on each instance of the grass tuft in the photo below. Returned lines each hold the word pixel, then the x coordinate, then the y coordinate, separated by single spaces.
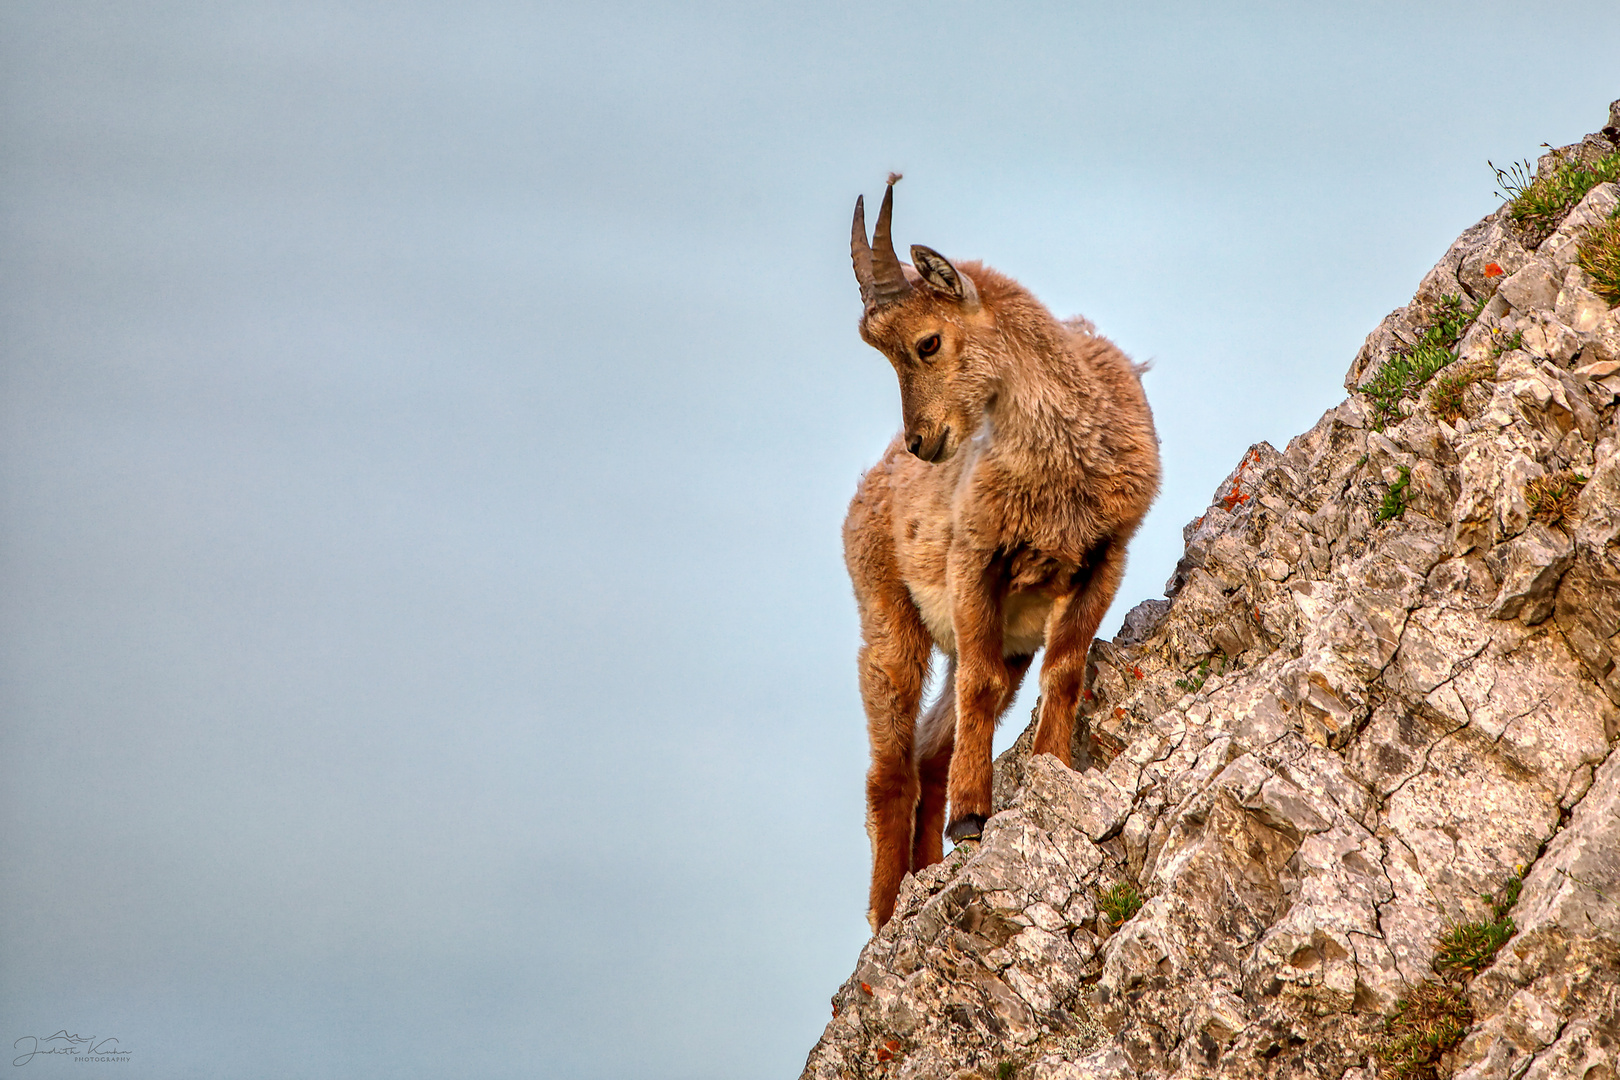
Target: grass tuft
pixel 1467 949
pixel 1406 372
pixel 1552 498
pixel 1119 903
pixel 1447 394
pixel 1539 203
pixel 1435 1016
pixel 1394 504
pixel 1427 1023
pixel 1599 256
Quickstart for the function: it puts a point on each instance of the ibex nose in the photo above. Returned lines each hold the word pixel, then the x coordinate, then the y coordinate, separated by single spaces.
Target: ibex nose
pixel 931 451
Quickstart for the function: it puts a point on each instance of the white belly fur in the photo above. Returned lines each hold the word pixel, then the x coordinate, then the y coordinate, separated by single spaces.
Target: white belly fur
pixel 1023 628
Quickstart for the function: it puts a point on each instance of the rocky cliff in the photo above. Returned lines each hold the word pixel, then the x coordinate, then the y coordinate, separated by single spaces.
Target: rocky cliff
pixel 1368 738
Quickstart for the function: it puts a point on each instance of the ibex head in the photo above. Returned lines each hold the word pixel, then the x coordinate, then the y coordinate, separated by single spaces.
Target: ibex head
pixel 927 319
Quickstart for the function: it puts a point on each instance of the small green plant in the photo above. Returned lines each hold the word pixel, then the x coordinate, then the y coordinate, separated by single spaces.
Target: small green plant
pixel 1407 370
pixel 1539 203
pixel 1468 948
pixel 1427 1022
pixel 1119 903
pixel 1195 680
pixel 1513 181
pixel 1394 504
pixel 1006 1070
pixel 1503 901
pixel 1452 320
pixel 1505 343
pixel 1599 256
pixel 1509 896
pixel 1553 498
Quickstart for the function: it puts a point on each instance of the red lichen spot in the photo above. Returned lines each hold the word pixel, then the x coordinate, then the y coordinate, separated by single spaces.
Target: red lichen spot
pixel 885 1055
pixel 1493 270
pixel 1136 672
pixel 835 1011
pixel 866 989
pixel 893 1044
pixel 1118 712
pixel 1090 696
pixel 1236 496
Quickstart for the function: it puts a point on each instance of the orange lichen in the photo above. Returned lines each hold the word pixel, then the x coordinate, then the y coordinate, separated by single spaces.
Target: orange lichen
pixel 1236 497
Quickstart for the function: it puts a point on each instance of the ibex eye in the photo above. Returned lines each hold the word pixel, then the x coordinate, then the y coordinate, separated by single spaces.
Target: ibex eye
pixel 928 346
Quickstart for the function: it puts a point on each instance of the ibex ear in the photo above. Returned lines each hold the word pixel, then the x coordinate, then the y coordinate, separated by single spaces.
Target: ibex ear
pixel 942 277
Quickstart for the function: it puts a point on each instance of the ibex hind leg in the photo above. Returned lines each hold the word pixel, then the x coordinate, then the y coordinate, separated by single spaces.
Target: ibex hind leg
pixel 936 735
pixel 893 669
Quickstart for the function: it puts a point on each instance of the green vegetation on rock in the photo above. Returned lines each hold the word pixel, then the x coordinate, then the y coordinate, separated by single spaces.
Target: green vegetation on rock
pixel 1406 372
pixel 1539 203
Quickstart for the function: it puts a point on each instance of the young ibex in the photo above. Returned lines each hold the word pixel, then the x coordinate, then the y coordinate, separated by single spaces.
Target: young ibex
pixel 996 522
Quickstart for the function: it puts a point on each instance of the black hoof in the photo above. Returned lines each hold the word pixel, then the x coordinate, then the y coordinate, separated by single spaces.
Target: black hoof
pixel 967 828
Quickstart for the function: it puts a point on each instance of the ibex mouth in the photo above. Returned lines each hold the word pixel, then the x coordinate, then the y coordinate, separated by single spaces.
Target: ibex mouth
pixel 934 451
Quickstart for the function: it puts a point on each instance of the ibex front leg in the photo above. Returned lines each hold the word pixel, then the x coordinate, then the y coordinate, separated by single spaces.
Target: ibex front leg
pixel 936 735
pixel 983 684
pixel 1069 630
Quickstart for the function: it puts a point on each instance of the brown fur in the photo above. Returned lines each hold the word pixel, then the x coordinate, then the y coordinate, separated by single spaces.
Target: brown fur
pixel 1043 462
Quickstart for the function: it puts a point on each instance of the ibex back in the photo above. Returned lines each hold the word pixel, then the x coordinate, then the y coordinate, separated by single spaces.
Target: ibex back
pixel 995 523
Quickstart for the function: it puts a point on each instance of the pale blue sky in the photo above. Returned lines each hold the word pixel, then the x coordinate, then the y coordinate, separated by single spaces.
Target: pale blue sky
pixel 426 429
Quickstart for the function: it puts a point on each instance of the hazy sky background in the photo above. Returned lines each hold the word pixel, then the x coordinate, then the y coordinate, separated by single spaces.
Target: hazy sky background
pixel 425 648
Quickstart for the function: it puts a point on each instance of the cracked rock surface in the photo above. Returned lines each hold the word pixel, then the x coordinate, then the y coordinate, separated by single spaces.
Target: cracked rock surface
pixel 1335 737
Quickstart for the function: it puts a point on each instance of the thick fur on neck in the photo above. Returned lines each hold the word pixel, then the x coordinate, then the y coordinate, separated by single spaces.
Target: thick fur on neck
pixel 1066 420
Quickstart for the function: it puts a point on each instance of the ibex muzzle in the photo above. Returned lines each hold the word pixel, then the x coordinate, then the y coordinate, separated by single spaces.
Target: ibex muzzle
pixel 931 451
pixel 995 523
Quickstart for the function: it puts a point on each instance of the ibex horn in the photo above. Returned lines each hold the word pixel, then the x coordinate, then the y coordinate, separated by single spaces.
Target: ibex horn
pixel 878 271
pixel 860 253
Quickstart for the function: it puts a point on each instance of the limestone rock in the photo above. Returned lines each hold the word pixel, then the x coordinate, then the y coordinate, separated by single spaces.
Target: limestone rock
pixel 1530 567
pixel 1533 286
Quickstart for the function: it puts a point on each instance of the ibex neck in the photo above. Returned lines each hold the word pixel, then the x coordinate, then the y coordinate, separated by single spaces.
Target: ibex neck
pixel 1042 408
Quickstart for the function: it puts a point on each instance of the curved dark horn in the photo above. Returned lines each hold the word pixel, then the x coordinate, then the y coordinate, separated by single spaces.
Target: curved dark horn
pixel 860 252
pixel 889 283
